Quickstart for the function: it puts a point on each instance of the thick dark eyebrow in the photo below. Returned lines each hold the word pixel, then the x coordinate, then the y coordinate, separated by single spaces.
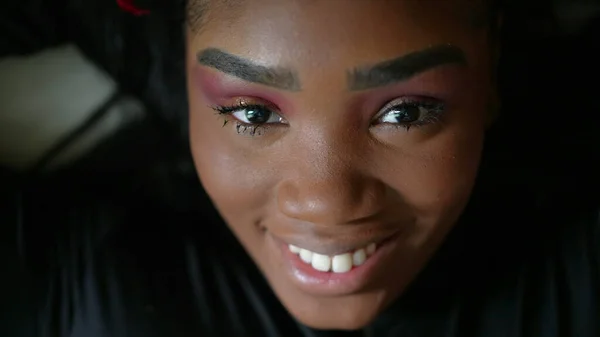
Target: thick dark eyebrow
pixel 404 67
pixel 280 78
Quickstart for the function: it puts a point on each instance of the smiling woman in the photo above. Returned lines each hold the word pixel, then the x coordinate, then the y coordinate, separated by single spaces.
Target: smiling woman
pixel 385 126
pixel 356 152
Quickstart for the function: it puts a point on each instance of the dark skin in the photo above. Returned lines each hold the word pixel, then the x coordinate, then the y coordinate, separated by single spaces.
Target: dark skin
pixel 326 164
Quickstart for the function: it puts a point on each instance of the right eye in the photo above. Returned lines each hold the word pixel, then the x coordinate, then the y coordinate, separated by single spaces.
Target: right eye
pixel 411 112
pixel 255 114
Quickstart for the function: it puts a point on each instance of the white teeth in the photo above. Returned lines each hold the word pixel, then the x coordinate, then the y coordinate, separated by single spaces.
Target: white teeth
pixel 341 263
pixel 306 255
pixel 359 257
pixel 338 264
pixel 321 262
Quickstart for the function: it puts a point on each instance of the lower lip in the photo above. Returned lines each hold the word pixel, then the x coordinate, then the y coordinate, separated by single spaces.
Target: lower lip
pixel 320 283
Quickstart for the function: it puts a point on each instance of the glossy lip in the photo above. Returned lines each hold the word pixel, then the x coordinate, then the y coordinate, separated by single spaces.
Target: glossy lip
pixel 319 283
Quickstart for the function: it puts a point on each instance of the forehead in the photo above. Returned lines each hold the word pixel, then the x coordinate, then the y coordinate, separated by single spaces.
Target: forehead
pixel 310 34
pixel 471 11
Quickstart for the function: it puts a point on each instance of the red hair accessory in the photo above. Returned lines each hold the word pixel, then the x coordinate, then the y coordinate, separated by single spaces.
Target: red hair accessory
pixel 128 6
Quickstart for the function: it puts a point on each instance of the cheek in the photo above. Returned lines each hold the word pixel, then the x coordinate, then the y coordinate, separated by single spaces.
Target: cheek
pixel 436 189
pixel 446 181
pixel 237 182
pixel 448 173
pixel 435 180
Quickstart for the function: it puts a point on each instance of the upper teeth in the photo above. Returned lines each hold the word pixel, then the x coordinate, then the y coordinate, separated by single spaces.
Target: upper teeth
pixel 339 263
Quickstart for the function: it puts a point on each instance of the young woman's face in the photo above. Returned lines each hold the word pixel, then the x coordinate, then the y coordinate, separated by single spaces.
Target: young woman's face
pixel 330 127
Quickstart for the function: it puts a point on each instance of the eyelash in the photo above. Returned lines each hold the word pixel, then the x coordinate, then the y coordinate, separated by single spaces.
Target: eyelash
pixel 435 110
pixel 243 128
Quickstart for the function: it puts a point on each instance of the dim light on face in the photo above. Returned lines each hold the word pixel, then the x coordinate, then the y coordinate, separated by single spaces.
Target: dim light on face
pixel 340 141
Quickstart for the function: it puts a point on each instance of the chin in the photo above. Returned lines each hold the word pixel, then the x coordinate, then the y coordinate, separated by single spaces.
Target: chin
pixel 350 312
pixel 341 319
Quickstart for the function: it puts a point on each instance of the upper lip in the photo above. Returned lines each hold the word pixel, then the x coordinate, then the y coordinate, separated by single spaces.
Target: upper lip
pixel 333 246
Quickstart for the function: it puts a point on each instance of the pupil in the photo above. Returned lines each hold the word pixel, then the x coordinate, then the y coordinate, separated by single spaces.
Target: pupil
pixel 258 115
pixel 407 114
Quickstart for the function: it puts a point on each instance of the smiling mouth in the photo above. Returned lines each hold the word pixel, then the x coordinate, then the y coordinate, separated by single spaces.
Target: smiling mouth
pixel 340 263
pixel 335 274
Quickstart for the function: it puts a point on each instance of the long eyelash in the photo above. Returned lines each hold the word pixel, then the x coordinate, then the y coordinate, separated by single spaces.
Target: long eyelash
pixel 225 110
pixel 240 127
pixel 250 129
pixel 435 115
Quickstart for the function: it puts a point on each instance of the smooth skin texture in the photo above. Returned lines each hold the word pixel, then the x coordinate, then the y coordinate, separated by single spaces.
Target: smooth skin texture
pixel 332 168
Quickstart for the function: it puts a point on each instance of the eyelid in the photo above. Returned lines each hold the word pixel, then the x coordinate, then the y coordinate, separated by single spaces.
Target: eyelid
pixel 281 120
pixel 403 100
pixel 247 102
pixel 254 101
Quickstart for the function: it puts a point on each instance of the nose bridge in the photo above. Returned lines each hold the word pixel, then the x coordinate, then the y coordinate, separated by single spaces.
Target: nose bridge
pixel 328 185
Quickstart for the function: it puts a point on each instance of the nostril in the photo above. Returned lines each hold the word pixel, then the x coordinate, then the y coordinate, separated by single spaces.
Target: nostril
pixel 310 206
pixel 331 203
pixel 288 201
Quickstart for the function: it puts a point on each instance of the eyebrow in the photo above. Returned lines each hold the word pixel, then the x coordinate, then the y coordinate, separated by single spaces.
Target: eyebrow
pixel 362 78
pixel 404 67
pixel 280 78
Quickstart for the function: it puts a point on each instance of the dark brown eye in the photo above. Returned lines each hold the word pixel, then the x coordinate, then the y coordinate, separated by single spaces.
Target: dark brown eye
pixel 257 115
pixel 403 114
pixel 408 113
pixel 251 119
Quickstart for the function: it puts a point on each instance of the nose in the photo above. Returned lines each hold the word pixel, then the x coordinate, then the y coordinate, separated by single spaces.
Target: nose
pixel 330 190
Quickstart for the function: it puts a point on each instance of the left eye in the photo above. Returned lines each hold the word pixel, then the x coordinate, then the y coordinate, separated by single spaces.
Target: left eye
pixel 403 114
pixel 256 115
pixel 410 113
